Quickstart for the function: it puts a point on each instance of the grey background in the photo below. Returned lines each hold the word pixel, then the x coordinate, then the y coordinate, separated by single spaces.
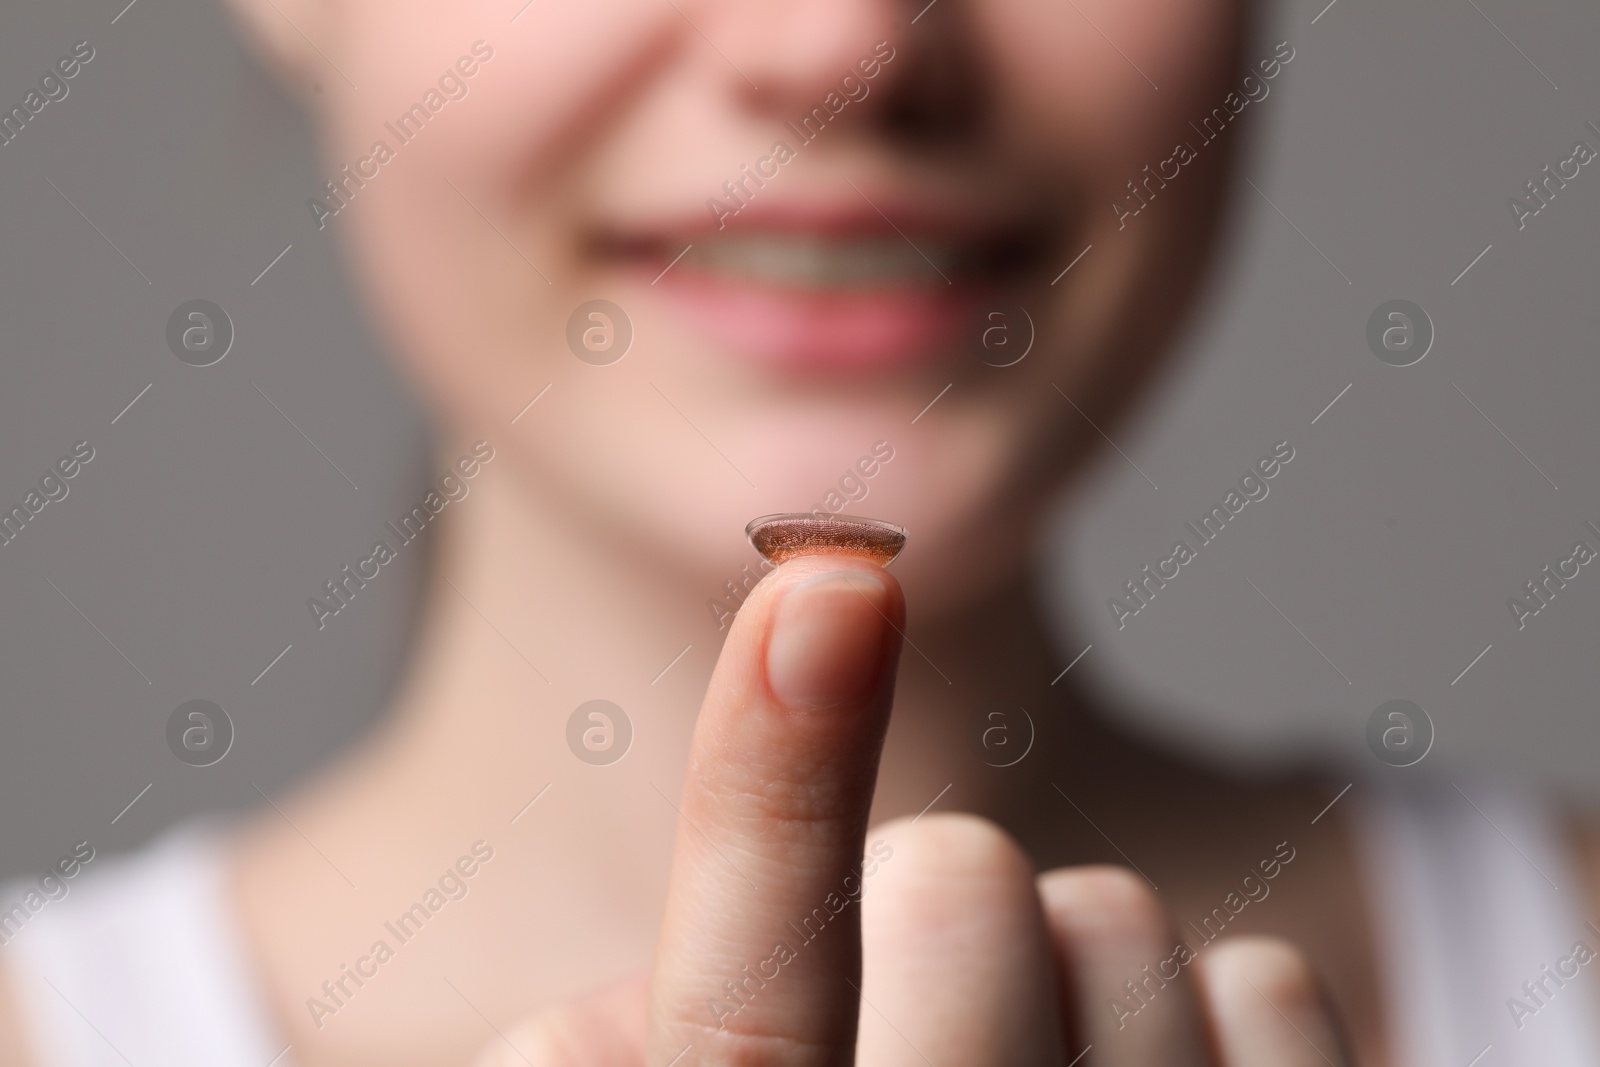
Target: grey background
pixel 207 516
pixel 1406 520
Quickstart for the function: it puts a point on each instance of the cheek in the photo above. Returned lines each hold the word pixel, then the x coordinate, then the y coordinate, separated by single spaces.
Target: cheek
pixel 1116 78
pixel 545 92
pixel 440 276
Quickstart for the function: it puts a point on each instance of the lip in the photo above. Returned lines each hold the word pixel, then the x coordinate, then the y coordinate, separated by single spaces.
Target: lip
pixel 919 314
pixel 867 210
pixel 822 332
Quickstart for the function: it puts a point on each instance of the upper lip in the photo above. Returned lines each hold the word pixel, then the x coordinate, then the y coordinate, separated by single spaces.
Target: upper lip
pixel 858 213
pixel 987 242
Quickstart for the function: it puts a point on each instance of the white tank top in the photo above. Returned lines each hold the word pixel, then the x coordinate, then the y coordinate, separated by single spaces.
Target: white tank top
pixel 141 962
pixel 1473 894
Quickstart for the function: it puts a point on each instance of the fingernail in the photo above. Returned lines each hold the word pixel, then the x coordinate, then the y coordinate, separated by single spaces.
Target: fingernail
pixel 826 647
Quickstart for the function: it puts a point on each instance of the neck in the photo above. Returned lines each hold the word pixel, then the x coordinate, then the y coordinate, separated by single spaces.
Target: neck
pixel 533 611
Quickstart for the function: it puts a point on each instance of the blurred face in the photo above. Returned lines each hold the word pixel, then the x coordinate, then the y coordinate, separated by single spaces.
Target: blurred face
pixel 811 216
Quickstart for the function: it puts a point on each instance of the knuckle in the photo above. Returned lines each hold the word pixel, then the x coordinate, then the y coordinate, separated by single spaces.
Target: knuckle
pixel 754 1045
pixel 768 795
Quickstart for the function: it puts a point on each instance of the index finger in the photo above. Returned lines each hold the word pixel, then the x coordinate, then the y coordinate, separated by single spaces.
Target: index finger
pixel 760 949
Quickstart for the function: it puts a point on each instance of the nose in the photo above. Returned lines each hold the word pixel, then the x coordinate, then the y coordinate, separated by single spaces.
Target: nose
pixel 789 54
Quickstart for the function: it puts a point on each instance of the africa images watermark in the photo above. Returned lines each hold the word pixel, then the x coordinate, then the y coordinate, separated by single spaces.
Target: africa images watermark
pixel 852 488
pixel 53 88
pixel 454 486
pixel 852 89
pixel 1254 90
pixel 1539 192
pixel 1542 590
pixel 451 886
pixel 741 991
pixel 1537 992
pixel 1252 487
pixel 52 887
pixel 53 488
pixel 1253 889
pixel 353 177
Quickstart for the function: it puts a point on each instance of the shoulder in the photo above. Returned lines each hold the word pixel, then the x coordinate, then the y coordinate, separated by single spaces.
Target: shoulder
pixel 1584 828
pixel 14 1050
pixel 144 946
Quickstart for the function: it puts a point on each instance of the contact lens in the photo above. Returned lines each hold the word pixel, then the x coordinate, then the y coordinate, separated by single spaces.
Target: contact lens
pixel 783 537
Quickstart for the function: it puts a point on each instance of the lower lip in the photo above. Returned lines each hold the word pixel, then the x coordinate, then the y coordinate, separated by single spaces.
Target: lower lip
pixel 804 331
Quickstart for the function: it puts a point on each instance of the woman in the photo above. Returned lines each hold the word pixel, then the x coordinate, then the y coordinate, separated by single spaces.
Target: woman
pixel 805 222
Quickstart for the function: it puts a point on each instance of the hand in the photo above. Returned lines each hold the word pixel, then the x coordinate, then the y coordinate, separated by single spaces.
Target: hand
pixel 970 960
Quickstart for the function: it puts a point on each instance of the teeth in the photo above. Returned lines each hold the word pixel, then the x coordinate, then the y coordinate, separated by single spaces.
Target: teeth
pixel 822 263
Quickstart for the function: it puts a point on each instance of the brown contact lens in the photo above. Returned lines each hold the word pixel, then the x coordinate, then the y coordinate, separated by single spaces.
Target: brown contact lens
pixel 783 537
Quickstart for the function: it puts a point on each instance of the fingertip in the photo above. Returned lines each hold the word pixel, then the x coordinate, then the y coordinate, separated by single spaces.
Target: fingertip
pixel 1123 966
pixel 829 641
pixel 602 1028
pixel 954 894
pixel 1271 966
pixel 939 848
pixel 1111 905
pixel 817 631
pixel 797 571
pixel 1267 1004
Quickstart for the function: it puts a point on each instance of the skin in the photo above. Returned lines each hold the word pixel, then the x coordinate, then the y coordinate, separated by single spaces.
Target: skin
pixel 616 905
